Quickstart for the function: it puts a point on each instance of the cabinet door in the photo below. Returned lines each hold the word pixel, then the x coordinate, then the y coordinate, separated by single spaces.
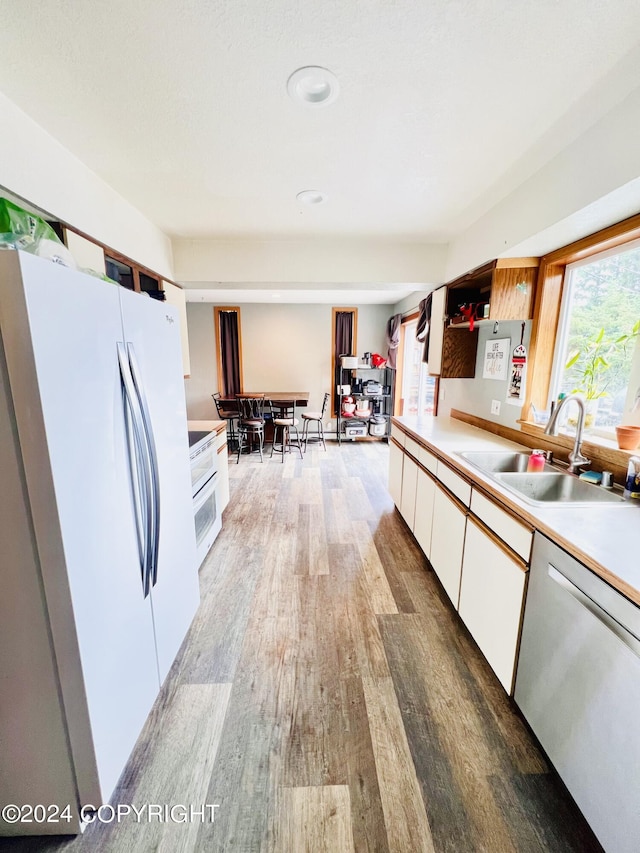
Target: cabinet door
pixel 396 457
pixel 223 472
pixel 176 296
pixel 409 481
pixel 447 542
pixel 425 495
pixel 436 330
pixel 491 599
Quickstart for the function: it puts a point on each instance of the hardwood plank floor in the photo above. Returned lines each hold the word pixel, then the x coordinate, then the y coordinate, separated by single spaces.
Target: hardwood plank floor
pixel 327 697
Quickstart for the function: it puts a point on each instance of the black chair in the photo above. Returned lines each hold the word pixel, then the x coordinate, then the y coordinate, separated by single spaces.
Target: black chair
pixel 284 419
pixel 230 416
pixel 317 418
pixel 250 423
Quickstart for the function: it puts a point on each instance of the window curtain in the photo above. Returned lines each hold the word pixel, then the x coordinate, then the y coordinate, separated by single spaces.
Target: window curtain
pixel 422 329
pixel 344 334
pixel 230 353
pixel 393 339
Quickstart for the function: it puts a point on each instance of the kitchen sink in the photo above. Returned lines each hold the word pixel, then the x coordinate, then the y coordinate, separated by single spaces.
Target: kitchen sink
pixel 493 461
pixel 545 487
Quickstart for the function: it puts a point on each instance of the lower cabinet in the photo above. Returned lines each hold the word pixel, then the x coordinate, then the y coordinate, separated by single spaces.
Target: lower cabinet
pixel 408 492
pixel 447 541
pixel 425 497
pixel 396 459
pixel 491 599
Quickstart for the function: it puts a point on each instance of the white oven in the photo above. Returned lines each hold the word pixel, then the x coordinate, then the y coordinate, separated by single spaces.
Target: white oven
pixel 205 484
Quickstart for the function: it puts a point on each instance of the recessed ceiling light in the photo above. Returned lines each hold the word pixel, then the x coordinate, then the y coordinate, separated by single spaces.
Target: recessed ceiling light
pixel 311 197
pixel 313 86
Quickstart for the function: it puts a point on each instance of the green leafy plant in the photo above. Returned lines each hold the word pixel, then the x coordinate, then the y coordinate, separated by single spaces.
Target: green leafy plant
pixel 592 364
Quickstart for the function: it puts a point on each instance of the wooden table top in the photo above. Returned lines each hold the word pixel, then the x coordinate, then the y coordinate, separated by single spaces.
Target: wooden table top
pixel 299 398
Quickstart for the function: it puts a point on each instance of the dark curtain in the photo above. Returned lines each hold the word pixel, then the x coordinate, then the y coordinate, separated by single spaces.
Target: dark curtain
pixel 422 329
pixel 393 338
pixel 230 352
pixel 344 334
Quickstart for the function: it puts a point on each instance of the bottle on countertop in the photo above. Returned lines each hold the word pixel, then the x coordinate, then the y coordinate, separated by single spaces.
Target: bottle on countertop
pixel 632 480
pixel 536 461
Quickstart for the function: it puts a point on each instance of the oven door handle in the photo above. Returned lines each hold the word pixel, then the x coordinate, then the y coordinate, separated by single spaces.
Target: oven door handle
pixel 154 479
pixel 205 492
pixel 138 466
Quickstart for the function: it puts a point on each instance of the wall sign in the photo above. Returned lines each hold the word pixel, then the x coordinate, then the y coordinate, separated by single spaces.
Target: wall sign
pixel 496 359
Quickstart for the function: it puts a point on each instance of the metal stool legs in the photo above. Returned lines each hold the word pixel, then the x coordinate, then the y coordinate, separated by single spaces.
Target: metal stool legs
pixel 285 444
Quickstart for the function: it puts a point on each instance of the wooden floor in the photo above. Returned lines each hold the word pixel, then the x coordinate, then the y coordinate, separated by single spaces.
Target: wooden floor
pixel 327 697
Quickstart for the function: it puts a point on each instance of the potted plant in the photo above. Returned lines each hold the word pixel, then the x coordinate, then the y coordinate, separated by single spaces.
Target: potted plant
pixel 591 366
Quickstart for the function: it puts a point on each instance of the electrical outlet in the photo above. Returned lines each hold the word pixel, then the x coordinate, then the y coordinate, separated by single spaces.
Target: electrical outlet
pixel 495 407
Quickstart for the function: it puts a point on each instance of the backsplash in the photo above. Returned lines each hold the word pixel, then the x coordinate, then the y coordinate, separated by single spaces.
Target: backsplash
pixel 475 396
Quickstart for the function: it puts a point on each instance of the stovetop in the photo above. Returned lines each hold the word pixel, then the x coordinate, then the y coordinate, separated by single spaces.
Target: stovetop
pixel 197 435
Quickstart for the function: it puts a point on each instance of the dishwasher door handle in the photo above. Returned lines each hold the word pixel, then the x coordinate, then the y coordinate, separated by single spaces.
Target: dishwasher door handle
pixel 622 633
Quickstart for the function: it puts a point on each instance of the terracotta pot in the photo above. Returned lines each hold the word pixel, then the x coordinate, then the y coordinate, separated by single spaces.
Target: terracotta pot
pixel 628 437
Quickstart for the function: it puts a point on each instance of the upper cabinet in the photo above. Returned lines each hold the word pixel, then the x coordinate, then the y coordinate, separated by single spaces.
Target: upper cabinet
pixel 175 296
pixel 503 289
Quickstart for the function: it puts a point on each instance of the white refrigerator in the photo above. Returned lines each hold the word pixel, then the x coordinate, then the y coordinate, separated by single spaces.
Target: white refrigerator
pixel 98 557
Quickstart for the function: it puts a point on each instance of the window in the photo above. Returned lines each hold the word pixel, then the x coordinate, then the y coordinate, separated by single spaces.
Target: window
pixel 344 341
pixel 598 346
pixel 228 350
pixel 418 390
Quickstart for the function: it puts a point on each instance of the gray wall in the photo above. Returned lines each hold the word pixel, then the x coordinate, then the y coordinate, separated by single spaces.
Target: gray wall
pixel 475 395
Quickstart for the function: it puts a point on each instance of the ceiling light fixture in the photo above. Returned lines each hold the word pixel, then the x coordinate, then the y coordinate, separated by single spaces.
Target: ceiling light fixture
pixel 311 197
pixel 313 86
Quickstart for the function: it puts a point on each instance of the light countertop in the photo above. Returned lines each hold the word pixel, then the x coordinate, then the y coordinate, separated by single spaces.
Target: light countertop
pixel 605 537
pixel 209 426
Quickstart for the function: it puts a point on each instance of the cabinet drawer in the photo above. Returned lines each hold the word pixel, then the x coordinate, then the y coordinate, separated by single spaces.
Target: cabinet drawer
pixel 427 459
pixel 460 488
pixel 517 536
pixel 412 447
pixel 398 435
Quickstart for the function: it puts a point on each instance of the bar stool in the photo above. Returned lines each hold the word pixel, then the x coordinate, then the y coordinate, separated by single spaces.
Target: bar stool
pixel 317 418
pixel 250 423
pixel 226 415
pixel 284 418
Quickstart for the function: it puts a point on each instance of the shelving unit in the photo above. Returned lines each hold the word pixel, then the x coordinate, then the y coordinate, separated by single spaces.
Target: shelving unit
pixel 381 404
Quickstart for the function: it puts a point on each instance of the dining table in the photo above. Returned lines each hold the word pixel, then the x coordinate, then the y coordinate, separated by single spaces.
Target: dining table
pixel 279 399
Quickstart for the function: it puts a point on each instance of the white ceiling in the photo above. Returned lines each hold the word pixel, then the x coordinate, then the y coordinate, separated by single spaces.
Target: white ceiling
pixel 182 106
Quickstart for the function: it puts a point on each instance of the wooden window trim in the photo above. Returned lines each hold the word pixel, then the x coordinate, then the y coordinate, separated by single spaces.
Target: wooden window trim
pixel 548 300
pixel 334 311
pixel 398 405
pixel 217 310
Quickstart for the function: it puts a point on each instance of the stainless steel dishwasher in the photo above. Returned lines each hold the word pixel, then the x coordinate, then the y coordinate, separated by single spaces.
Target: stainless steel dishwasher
pixel 578 686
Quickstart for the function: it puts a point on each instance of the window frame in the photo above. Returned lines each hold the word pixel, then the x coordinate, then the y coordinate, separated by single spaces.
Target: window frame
pixel 548 303
pixel 217 310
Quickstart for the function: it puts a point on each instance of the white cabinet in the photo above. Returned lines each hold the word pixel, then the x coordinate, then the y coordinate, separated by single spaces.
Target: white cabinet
pixel 396 457
pixel 409 482
pixel 223 469
pixel 425 496
pixel 175 296
pixel 436 330
pixel 491 600
pixel 447 542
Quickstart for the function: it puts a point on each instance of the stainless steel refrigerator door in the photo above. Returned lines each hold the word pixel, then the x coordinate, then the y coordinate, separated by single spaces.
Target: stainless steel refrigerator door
pixel 70 418
pixel 152 331
pixel 578 686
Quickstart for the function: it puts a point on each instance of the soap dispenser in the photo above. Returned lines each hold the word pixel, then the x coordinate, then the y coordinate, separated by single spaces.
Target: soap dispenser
pixel 632 481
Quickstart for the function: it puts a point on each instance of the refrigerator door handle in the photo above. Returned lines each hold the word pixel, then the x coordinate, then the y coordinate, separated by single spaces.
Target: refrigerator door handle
pixel 139 467
pixel 153 458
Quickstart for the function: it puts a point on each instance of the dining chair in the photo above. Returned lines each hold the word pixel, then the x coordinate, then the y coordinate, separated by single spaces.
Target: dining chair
pixel 230 416
pixel 317 418
pixel 284 419
pixel 250 423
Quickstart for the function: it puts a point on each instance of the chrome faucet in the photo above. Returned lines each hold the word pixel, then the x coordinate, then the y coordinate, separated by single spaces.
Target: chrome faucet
pixel 576 459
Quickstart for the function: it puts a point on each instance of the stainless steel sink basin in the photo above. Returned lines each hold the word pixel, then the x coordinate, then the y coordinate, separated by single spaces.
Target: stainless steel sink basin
pixel 493 461
pixel 547 487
